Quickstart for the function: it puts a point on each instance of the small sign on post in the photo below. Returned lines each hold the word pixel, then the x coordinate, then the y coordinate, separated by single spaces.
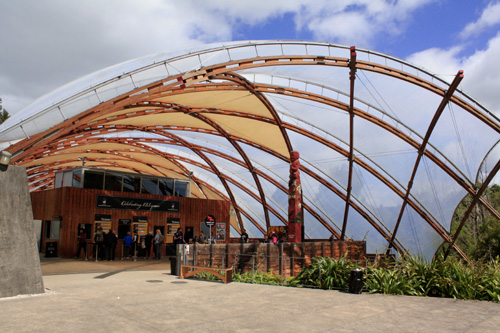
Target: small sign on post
pixel 210 222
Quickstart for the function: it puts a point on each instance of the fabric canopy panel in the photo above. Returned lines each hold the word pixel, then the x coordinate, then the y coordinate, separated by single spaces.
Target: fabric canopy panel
pixel 388 150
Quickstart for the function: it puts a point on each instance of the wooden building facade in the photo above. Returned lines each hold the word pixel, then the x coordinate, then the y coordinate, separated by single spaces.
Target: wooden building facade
pixel 64 211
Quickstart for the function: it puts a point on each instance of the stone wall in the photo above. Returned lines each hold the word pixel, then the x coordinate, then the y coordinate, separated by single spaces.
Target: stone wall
pixel 286 259
pixel 20 271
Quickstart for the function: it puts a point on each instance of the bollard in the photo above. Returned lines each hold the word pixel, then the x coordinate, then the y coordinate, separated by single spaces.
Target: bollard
pixel 356 281
pixel 173 266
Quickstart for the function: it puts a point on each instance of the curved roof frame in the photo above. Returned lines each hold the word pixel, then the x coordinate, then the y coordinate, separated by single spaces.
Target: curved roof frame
pixel 225 71
pixel 84 140
pixel 175 108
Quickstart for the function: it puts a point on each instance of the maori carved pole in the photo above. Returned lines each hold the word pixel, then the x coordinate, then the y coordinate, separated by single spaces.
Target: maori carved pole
pixel 295 211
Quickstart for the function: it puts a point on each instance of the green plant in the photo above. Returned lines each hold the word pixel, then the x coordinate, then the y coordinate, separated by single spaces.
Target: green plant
pixel 325 273
pixel 259 277
pixel 410 276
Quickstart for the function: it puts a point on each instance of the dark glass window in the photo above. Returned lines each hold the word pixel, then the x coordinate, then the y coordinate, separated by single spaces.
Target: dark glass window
pixel 181 189
pixel 113 182
pixel 166 186
pixel 131 183
pixel 93 179
pixel 52 229
pixel 149 185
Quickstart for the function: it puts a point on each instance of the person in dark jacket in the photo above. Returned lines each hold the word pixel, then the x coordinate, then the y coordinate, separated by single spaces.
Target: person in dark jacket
pixel 99 243
pixel 148 242
pixel 244 236
pixel 127 243
pixel 82 244
pixel 110 241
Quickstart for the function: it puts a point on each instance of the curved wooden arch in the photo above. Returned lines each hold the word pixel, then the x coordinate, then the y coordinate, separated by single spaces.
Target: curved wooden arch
pixel 36 143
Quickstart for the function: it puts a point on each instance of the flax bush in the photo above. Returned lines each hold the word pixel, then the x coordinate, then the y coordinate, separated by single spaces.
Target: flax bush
pixel 410 276
pixel 325 273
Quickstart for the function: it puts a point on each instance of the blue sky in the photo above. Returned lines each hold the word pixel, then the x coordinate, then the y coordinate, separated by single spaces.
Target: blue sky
pixel 48 43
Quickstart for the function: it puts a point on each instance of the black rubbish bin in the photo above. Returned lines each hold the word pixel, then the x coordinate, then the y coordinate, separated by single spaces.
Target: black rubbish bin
pixel 50 249
pixel 173 266
pixel 356 281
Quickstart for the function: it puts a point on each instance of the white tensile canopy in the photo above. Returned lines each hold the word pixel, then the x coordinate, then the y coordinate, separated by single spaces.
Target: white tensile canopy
pixel 387 149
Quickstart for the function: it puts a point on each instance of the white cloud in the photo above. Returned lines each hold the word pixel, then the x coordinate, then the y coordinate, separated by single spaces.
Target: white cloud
pixel 489 18
pixel 481 70
pixel 49 43
pixel 482 79
pixel 249 12
pixel 52 42
pixel 442 62
pixel 356 22
pixel 345 28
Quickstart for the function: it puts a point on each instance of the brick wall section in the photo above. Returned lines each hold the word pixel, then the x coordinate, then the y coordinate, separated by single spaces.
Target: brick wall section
pixel 287 259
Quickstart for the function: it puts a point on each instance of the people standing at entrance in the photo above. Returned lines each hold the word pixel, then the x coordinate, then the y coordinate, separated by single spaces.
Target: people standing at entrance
pixel 99 243
pixel 127 243
pixel 158 241
pixel 110 245
pixel 82 244
pixel 148 242
pixel 244 236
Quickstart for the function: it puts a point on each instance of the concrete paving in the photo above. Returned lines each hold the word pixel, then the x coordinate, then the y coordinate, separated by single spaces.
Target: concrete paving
pixel 128 296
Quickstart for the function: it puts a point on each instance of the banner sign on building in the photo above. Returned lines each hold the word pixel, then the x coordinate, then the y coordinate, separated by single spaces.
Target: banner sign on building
pixel 173 223
pixel 153 205
pixel 102 217
pixel 141 219
pixel 104 221
pixel 124 221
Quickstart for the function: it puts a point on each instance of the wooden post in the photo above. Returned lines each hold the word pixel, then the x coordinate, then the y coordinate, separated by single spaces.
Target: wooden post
pixel 281 258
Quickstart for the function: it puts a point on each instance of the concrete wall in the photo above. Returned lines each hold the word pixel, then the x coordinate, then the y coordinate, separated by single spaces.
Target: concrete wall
pixel 20 271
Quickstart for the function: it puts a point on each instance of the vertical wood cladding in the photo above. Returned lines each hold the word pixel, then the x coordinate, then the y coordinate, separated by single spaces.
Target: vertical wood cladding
pixel 77 205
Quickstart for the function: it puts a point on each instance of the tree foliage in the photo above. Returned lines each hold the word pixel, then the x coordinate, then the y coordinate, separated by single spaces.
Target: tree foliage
pixel 3 113
pixel 480 234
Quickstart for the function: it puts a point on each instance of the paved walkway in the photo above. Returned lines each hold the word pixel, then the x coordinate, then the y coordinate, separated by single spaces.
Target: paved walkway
pixel 128 296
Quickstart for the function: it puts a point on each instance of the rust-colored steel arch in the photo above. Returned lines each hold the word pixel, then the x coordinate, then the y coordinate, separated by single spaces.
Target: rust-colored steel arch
pixel 69 142
pixel 37 144
pixel 352 78
pixel 439 111
pixel 241 152
pixel 279 156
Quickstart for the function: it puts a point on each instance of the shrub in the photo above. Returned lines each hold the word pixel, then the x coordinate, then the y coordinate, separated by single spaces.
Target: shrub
pixel 325 273
pixel 410 276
